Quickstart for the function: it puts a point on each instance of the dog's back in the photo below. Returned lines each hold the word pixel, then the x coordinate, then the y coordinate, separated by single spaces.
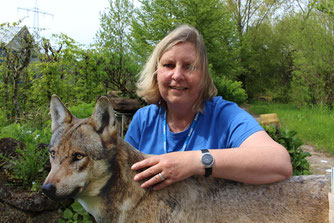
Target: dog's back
pixel 92 164
pixel 199 199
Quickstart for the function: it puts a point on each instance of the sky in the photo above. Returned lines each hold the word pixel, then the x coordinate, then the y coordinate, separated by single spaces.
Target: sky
pixel 79 19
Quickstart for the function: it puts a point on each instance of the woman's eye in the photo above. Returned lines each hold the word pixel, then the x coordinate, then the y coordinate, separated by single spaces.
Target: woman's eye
pixel 190 67
pixel 168 65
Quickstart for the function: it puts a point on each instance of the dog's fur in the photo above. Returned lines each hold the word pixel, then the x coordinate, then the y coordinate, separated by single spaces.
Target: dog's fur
pixel 91 163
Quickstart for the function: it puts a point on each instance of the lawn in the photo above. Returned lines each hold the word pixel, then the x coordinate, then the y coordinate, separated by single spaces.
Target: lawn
pixel 314 125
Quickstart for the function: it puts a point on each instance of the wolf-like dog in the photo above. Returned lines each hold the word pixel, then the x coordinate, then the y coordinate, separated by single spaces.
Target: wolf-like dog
pixel 92 164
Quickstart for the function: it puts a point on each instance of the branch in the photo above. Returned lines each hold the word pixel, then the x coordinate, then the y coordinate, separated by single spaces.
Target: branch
pixel 300 6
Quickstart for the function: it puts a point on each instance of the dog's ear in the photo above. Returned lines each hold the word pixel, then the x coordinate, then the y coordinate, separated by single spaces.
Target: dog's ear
pixel 59 113
pixel 103 116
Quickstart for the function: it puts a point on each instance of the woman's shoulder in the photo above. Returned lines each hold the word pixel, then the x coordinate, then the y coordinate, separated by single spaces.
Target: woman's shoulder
pixel 218 104
pixel 148 111
pixel 152 108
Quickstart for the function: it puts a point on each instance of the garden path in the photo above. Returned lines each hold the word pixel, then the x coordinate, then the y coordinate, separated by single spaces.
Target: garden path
pixel 320 162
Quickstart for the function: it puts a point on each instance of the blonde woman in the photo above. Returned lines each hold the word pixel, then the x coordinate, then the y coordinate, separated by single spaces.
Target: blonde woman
pixel 192 131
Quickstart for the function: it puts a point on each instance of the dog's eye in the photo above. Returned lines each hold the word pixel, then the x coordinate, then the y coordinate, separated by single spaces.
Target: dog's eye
pixel 52 153
pixel 78 156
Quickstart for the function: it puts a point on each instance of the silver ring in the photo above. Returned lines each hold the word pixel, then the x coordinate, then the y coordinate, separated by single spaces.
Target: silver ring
pixel 161 177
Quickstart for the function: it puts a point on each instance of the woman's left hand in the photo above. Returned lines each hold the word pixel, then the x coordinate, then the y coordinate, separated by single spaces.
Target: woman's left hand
pixel 173 167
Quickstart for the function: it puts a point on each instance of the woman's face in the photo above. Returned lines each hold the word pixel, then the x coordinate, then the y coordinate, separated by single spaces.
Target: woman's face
pixel 178 76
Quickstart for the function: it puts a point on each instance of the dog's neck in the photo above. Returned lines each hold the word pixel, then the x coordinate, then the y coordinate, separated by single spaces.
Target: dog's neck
pixel 92 205
pixel 117 194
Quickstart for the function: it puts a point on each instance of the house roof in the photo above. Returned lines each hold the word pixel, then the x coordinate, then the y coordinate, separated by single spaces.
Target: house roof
pixel 12 36
pixel 7 34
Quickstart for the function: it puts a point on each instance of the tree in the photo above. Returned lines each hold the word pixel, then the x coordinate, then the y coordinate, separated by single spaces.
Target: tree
pixel 16 56
pixel 62 70
pixel 249 14
pixel 113 41
pixel 156 18
pixel 313 74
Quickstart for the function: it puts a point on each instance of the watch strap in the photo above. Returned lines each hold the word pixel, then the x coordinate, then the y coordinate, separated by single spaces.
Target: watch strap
pixel 208 170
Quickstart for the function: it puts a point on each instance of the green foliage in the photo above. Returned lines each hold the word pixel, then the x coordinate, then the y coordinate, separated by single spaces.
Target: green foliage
pixel 63 70
pixel 293 144
pixel 75 214
pixel 28 168
pixel 155 19
pixel 116 64
pixel 82 110
pixel 270 61
pixel 3 118
pixel 14 60
pixel 326 7
pixel 230 90
pixel 313 81
pixel 314 124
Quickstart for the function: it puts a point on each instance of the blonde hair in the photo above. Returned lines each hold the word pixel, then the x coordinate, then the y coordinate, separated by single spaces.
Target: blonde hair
pixel 147 85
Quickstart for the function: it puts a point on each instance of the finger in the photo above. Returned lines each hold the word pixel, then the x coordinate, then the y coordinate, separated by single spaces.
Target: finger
pixel 145 163
pixel 162 185
pixel 154 180
pixel 148 173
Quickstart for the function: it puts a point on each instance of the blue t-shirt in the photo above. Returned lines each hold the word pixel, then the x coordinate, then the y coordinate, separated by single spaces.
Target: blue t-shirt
pixel 222 125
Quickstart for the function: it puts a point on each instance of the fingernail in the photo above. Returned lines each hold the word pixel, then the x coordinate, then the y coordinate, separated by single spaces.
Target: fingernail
pixel 136 177
pixel 133 166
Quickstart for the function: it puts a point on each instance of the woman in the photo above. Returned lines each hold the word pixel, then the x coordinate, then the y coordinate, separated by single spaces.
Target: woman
pixel 192 131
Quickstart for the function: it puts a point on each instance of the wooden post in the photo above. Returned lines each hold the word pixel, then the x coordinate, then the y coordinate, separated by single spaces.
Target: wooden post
pixel 267 119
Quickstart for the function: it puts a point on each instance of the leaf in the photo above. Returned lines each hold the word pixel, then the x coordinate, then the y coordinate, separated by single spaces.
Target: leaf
pixel 78 208
pixel 68 214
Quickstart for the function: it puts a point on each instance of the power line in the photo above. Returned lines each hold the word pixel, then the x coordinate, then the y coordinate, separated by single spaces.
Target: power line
pixel 36 12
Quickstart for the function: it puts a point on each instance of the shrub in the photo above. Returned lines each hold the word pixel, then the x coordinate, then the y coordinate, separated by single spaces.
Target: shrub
pixel 293 144
pixel 230 90
pixel 28 168
pixel 76 213
pixel 3 118
pixel 83 110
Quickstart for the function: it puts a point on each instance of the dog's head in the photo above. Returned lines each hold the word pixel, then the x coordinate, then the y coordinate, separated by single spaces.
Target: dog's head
pixel 80 150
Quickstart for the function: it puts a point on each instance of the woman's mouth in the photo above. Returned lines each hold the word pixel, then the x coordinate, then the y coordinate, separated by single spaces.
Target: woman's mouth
pixel 179 88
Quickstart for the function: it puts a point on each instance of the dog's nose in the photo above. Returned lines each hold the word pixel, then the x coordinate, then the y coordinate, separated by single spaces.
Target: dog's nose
pixel 49 190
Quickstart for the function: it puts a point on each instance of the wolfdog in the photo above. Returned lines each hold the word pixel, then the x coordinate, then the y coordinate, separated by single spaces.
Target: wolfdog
pixel 92 164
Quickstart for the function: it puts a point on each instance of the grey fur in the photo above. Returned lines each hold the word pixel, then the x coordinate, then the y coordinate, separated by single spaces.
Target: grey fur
pixel 104 185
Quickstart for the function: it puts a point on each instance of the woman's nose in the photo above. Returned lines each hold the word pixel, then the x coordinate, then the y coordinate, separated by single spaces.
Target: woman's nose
pixel 178 73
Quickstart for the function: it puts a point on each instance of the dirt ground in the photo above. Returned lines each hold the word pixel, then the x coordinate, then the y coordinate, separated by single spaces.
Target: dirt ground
pixel 320 163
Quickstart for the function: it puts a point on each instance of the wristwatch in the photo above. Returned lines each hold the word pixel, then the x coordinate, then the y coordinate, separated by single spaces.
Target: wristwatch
pixel 207 160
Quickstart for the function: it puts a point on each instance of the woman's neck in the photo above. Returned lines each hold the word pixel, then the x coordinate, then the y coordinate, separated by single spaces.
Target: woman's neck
pixel 180 120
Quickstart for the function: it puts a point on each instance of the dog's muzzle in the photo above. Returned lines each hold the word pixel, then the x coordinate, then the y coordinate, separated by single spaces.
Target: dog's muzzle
pixel 51 191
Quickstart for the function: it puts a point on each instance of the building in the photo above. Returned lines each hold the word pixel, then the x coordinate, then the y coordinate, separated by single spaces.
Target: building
pixel 12 38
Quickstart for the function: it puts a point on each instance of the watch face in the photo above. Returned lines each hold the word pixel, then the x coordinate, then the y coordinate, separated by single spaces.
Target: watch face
pixel 207 159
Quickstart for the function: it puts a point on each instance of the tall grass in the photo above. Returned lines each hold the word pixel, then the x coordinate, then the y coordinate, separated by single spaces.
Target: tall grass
pixel 314 125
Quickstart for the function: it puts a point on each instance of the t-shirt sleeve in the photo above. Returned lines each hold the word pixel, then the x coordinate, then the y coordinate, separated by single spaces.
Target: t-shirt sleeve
pixel 133 133
pixel 242 126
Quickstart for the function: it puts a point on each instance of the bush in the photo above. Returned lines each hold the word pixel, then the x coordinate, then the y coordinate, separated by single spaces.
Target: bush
pixel 28 168
pixel 230 90
pixel 293 144
pixel 76 213
pixel 83 110
pixel 3 118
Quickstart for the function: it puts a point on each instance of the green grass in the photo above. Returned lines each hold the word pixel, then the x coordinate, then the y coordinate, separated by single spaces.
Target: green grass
pixel 314 125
